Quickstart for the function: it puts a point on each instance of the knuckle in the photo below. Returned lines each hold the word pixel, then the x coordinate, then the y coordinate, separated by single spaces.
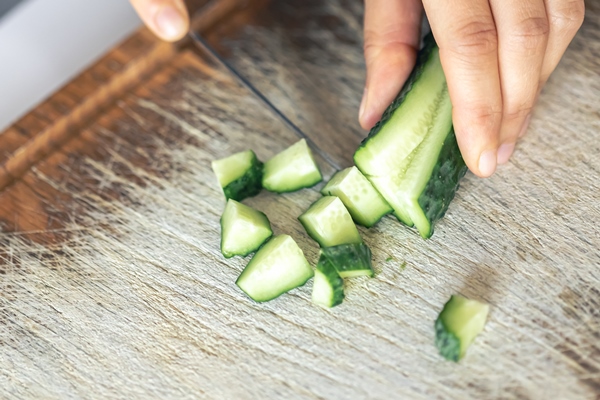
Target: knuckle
pixel 519 111
pixel 377 40
pixel 531 32
pixel 475 38
pixel 569 17
pixel 484 115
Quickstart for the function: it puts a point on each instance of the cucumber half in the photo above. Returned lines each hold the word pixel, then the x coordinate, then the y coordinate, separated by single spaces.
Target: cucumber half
pixel 243 229
pixel 328 222
pixel 411 155
pixel 240 175
pixel 292 169
pixel 350 260
pixel 458 324
pixel 363 201
pixel 278 267
pixel 328 286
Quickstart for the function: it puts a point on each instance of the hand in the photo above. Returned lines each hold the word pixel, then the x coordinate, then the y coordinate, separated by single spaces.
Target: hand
pixel 168 19
pixel 496 54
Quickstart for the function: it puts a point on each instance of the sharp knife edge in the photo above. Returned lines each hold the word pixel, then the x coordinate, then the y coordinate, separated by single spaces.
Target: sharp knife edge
pixel 207 48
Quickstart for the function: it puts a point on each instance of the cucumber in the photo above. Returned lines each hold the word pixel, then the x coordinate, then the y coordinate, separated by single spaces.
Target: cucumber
pixel 240 175
pixel 278 267
pixel 411 155
pixel 350 260
pixel 363 201
pixel 328 222
pixel 458 324
pixel 292 169
pixel 243 229
pixel 328 286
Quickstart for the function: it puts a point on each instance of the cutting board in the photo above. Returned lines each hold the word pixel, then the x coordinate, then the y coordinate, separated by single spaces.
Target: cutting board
pixel 111 280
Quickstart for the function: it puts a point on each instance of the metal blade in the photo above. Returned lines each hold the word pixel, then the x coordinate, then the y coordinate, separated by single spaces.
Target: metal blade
pixel 207 48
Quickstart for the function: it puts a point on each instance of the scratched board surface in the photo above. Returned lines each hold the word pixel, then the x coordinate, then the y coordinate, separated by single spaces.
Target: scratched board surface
pixel 112 284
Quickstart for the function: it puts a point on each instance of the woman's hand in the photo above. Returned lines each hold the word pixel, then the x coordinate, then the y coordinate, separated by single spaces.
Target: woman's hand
pixel 496 54
pixel 168 19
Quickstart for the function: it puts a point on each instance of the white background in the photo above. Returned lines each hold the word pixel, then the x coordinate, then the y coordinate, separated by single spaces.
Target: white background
pixel 45 43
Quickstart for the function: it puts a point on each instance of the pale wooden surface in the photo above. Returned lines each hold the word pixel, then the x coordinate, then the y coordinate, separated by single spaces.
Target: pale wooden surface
pixel 112 284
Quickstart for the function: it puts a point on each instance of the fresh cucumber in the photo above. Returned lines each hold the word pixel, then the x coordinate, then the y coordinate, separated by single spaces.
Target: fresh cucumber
pixel 363 201
pixel 411 155
pixel 243 229
pixel 350 260
pixel 328 286
pixel 277 267
pixel 240 175
pixel 292 169
pixel 458 324
pixel 328 222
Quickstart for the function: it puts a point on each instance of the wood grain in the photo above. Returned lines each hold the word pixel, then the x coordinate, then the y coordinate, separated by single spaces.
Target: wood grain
pixel 112 284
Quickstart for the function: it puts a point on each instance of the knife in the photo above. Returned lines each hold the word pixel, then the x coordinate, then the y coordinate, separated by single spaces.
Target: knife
pixel 205 47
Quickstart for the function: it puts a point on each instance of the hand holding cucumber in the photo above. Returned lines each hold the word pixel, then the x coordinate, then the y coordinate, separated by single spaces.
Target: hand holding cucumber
pixel 496 54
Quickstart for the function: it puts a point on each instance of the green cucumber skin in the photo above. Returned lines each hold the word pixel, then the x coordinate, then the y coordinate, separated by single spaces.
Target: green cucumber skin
pixel 443 184
pixel 450 167
pixel 347 258
pixel 249 185
pixel 294 188
pixel 336 282
pixel 446 342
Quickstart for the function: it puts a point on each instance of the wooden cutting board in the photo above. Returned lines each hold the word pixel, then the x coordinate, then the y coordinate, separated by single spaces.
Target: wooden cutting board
pixel 111 280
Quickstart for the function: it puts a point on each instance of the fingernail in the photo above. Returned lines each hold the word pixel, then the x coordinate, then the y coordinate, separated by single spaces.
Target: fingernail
pixel 363 105
pixel 504 152
pixel 525 125
pixel 170 23
pixel 487 163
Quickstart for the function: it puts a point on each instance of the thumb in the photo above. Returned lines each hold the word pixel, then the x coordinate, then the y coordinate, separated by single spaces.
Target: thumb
pixel 168 19
pixel 392 33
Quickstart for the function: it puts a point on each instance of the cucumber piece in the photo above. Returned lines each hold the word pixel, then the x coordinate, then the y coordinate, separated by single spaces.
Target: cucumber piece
pixel 328 222
pixel 240 175
pixel 278 267
pixel 458 324
pixel 363 201
pixel 411 155
pixel 328 286
pixel 350 260
pixel 243 229
pixel 292 169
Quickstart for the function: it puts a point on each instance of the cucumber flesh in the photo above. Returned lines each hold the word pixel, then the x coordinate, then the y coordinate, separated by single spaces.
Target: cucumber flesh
pixel 363 201
pixel 239 175
pixel 350 260
pixel 328 222
pixel 243 229
pixel 458 324
pixel 411 155
pixel 278 267
pixel 328 286
pixel 292 169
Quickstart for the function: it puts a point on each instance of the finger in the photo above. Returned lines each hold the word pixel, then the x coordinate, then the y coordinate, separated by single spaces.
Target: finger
pixel 392 33
pixel 565 17
pixel 522 28
pixel 466 34
pixel 168 19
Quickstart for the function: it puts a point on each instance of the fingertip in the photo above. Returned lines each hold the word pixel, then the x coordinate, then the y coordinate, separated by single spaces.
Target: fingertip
pixel 170 23
pixel 505 152
pixel 386 73
pixel 368 118
pixel 479 148
pixel 488 161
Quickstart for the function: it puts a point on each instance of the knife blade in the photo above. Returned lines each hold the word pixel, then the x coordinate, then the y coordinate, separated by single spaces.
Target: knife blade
pixel 205 47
